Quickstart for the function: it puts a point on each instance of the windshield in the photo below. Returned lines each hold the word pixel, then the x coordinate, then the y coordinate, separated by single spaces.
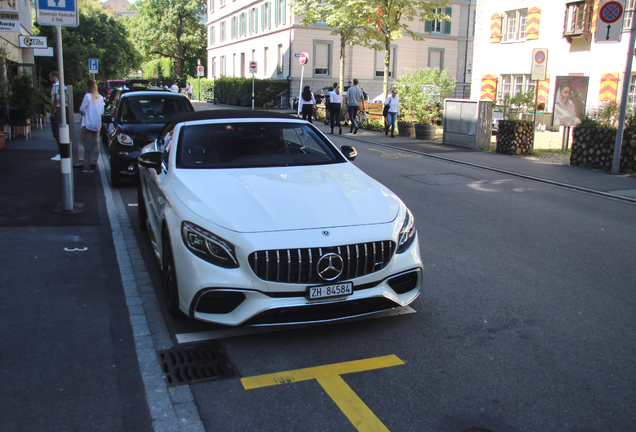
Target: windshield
pixel 151 109
pixel 257 144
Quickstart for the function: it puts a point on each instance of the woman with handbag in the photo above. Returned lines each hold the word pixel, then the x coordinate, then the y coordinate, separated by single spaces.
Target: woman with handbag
pixel 335 102
pixel 392 108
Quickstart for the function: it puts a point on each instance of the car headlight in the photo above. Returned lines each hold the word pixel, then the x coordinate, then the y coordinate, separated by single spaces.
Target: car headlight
pixel 124 139
pixel 208 246
pixel 407 233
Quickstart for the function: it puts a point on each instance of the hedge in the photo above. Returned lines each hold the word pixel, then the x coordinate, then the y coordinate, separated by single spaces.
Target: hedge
pixel 238 91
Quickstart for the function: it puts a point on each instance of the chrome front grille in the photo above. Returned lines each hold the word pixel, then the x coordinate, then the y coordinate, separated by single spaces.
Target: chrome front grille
pixel 299 265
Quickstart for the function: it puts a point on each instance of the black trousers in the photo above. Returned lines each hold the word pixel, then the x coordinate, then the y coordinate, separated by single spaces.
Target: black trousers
pixel 55 126
pixel 308 112
pixel 334 110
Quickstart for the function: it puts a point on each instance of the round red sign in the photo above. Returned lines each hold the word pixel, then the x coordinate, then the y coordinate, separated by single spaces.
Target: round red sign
pixel 303 58
pixel 611 12
pixel 155 75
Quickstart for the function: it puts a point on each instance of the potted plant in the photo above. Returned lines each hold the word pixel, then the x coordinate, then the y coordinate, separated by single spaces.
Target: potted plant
pixel 515 135
pixel 421 94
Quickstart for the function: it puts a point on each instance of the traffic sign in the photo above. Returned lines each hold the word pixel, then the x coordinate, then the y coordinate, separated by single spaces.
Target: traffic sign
pixel 92 66
pixel 253 67
pixel 62 13
pixel 539 64
pixel 155 75
pixel 609 26
pixel 200 71
pixel 303 58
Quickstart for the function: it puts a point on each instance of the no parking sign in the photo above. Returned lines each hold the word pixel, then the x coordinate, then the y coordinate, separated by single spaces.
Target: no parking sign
pixel 609 26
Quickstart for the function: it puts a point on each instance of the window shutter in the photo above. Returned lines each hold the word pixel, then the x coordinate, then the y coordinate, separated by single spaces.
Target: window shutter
pixel 447 24
pixel 249 22
pixel 532 25
pixel 284 6
pixel 488 87
pixel 495 28
pixel 276 12
pixel 609 87
pixel 428 26
pixel 262 17
pixel 232 28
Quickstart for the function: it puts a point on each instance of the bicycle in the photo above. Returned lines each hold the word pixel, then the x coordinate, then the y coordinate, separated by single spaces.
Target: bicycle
pixel 362 119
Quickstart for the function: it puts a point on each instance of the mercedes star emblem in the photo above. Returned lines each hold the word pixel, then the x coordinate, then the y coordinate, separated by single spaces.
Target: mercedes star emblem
pixel 330 266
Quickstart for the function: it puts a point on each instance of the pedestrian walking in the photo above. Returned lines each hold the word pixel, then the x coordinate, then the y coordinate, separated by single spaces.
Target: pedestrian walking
pixel 91 109
pixel 307 104
pixel 335 101
pixel 174 88
pixel 56 114
pixel 393 102
pixel 354 97
pixel 190 91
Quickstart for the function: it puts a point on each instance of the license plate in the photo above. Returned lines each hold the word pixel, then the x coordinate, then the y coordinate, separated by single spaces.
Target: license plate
pixel 325 291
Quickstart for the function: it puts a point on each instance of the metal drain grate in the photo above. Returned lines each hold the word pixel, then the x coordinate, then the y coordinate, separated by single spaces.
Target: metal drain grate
pixel 442 179
pixel 195 363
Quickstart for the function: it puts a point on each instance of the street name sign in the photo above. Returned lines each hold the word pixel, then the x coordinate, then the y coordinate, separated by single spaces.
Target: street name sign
pixel 57 12
pixel 609 25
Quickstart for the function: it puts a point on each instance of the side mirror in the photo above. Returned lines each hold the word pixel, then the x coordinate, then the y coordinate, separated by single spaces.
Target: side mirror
pixel 150 159
pixel 349 152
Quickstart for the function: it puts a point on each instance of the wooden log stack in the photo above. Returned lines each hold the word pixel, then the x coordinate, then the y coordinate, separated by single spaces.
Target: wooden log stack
pixel 515 137
pixel 594 148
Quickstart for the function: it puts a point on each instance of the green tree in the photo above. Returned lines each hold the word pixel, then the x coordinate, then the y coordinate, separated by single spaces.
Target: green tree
pixel 172 29
pixel 99 35
pixel 347 18
pixel 391 20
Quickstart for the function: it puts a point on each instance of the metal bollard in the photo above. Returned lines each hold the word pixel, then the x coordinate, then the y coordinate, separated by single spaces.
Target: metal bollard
pixel 67 168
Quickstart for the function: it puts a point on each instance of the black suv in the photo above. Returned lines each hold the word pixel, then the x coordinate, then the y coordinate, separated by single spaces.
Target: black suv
pixel 137 117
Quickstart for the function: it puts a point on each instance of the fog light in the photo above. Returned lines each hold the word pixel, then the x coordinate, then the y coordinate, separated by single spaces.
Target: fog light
pixel 131 168
pixel 405 282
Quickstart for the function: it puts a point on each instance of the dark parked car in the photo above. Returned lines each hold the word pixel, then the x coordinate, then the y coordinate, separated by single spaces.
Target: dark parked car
pixel 137 119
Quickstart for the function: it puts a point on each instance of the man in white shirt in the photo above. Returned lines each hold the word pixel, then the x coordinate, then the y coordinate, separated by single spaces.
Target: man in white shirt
pixel 56 114
pixel 174 88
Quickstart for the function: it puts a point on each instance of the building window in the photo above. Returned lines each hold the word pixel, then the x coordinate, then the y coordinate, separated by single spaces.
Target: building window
pixel 629 13
pixel 578 18
pixel 211 5
pixel 211 36
pixel 242 72
pixel 379 62
pixel 514 26
pixel 279 12
pixel 223 71
pixel 233 28
pixel 222 32
pixel 322 58
pixel 266 18
pixel 631 96
pixel 213 68
pixel 265 55
pixel 253 20
pixel 243 31
pixel 514 84
pixel 221 3
pixel 437 24
pixel 279 61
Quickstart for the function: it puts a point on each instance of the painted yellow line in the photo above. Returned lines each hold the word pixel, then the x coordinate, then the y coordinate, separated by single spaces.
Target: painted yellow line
pixel 320 371
pixel 351 405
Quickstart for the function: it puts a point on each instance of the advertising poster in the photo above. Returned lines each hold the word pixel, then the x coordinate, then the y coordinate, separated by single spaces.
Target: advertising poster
pixel 569 100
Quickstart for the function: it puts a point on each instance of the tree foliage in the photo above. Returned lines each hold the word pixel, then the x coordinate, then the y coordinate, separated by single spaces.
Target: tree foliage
pixel 99 35
pixel 172 29
pixel 347 19
pixel 390 20
pixel 422 92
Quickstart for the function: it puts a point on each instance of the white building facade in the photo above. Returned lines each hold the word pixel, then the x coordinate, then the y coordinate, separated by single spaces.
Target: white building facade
pixel 9 39
pixel 267 32
pixel 507 31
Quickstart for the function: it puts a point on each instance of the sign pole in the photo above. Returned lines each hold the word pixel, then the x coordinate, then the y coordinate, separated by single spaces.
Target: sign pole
pixel 300 90
pixel 65 143
pixel 621 118
pixel 252 91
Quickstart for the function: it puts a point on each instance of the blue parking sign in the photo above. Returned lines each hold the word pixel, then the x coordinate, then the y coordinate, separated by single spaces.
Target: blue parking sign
pixel 92 66
pixel 57 12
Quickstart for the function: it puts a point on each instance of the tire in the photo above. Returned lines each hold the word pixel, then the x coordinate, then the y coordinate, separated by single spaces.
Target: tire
pixel 142 213
pixel 363 120
pixel 114 178
pixel 171 289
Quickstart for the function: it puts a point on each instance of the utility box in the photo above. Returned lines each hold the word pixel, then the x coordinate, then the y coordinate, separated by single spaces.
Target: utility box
pixel 467 123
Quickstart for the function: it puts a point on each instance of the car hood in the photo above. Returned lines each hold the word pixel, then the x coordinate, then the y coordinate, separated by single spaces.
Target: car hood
pixel 287 198
pixel 141 133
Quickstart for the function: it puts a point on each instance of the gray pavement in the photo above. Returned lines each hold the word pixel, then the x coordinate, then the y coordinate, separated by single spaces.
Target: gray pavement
pixel 81 326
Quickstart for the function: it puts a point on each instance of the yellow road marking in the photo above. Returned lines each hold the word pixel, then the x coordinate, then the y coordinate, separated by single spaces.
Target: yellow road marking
pixel 395 155
pixel 351 405
pixel 320 371
pixel 329 378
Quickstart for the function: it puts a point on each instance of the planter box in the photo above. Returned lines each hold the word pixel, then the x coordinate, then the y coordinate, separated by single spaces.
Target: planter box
pixel 594 148
pixel 425 132
pixel 515 137
pixel 406 129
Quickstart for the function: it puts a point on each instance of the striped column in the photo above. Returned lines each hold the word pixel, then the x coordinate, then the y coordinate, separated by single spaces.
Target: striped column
pixel 544 90
pixel 594 16
pixel 495 28
pixel 532 25
pixel 609 87
pixel 488 87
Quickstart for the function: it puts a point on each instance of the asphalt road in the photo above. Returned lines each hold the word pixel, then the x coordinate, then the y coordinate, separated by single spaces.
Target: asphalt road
pixel 525 321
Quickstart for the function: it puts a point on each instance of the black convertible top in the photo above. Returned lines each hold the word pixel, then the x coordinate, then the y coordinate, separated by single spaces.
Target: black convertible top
pixel 229 114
